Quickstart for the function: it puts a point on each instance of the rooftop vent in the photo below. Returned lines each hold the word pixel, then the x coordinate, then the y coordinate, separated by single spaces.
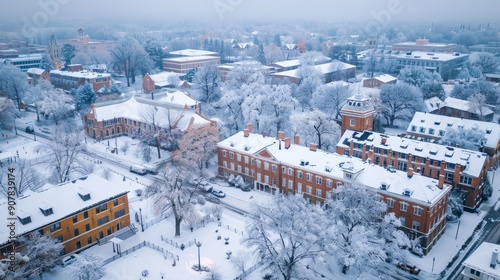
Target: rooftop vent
pixel 246 148
pixel 433 151
pixel 437 123
pixel 449 153
pixel 404 145
pixel 419 148
pixel 231 144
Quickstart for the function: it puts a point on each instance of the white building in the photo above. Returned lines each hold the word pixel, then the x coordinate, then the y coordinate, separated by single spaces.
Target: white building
pixel 483 264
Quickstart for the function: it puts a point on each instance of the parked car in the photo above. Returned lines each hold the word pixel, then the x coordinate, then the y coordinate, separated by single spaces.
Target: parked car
pixel 30 129
pixel 68 260
pixel 218 193
pixel 150 168
pixel 139 169
pixel 409 268
pixel 45 130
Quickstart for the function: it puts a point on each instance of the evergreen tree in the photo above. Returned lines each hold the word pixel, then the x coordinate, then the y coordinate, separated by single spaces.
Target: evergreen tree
pixel 84 96
pixel 45 63
pixel 261 57
pixel 277 40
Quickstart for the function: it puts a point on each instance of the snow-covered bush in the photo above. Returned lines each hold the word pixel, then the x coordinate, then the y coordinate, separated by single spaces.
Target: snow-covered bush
pixel 201 200
pixel 138 192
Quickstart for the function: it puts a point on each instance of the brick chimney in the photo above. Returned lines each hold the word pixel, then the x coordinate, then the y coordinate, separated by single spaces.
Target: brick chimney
pixel 410 172
pixel 313 147
pixel 287 142
pixel 371 156
pixel 296 140
pixel 245 132
pixel 249 127
pixel 441 181
pixel 383 140
pixel 281 135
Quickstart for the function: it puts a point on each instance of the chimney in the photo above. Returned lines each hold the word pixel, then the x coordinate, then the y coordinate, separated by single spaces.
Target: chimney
pixel 281 135
pixel 312 147
pixel 245 132
pixel 441 181
pixel 494 259
pixel 296 140
pixel 383 140
pixel 287 142
pixel 249 127
pixel 410 172
pixel 371 156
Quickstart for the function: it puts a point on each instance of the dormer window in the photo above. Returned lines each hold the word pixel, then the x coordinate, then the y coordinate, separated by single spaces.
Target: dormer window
pixel 47 211
pixel 246 148
pixel 488 131
pixel 418 148
pixel 433 151
pixel 84 195
pixel 384 186
pixel 404 145
pixel 328 169
pixel 449 153
pixel 449 124
pixel 407 192
pixel 24 220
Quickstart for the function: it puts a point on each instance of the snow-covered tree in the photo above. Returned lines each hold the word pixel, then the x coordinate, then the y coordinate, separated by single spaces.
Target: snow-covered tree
pixel 172 195
pixel 400 101
pixel 487 62
pixel 42 252
pixel 466 138
pixel 155 52
pixel 272 54
pixel 129 56
pixel 360 229
pixel 432 89
pixel 317 127
pixel 84 96
pixel 197 146
pixel 13 83
pixel 417 76
pixel 63 153
pixel 286 234
pixel 68 52
pixel 56 105
pixel 244 74
pixel 310 80
pixel 7 113
pixel 151 115
pixel 45 63
pixel 277 110
pixel 477 104
pixel 207 83
pixel 87 268
pixel 329 98
pixel 240 259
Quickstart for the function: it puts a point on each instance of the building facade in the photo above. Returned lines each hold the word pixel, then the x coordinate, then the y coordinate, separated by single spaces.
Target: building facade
pixel 77 77
pixel 458 108
pixel 275 165
pixel 77 213
pixel 379 81
pixel 423 45
pixel 37 74
pixel 483 263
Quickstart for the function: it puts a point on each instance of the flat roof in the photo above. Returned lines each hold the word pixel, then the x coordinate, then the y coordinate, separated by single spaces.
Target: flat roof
pixel 324 68
pixel 434 56
pixel 193 52
pixel 81 74
pixel 191 58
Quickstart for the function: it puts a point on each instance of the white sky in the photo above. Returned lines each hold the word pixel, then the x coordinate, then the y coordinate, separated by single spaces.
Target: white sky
pixel 232 10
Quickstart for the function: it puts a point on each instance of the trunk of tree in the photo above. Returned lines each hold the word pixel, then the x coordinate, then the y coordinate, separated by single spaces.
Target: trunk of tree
pixel 37 116
pixel 178 226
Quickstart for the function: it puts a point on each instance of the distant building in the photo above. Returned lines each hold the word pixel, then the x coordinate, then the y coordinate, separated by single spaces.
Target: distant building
pixel 446 64
pixel 184 64
pixel 286 65
pixel 192 52
pixel 24 62
pixel 54 52
pixel 92 47
pixel 77 77
pixel 491 47
pixel 483 263
pixel 36 74
pixel 250 65
pixel 459 108
pixel 152 82
pixel 423 45
pixel 431 127
pixel 379 81
pixel 333 71
pixel 77 213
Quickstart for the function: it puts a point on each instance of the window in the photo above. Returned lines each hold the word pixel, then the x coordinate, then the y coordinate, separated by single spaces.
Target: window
pixel 259 177
pixel 329 183
pixel 231 165
pixel 352 122
pixel 239 168
pixel 274 168
pixel 76 232
pixel 224 164
pixel 309 177
pixel 119 213
pixel 449 177
pixel 403 221
pixel 290 171
pixel 75 219
pixel 309 189
pixel 266 166
pixel 238 157
pixel 246 159
pixel 431 131
pixel 283 182
pixel 390 203
pixel 318 193
pixel 253 162
pixel 258 164
pixel 87 227
pixel 290 184
pixel 475 272
pixel 102 220
pixel 266 179
pixel 417 211
pixel 247 171
pixel 465 180
pixel 85 214
pixel 55 226
pixel 415 225
pixel 299 188
pixel 319 180
pixel 421 129
pixel 441 133
pixel 78 245
pixel 89 239
pixel 403 206
pixel 25 220
pixel 299 174
pixel 101 234
pixel 101 208
pixel 413 128
pixel 115 202
pixel 231 155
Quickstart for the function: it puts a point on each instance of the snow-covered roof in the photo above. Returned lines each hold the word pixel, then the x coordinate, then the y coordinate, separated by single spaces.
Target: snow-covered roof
pixel 191 58
pixel 438 122
pixel 324 68
pixel 81 74
pixel 176 97
pixel 385 78
pixel 163 79
pixel 424 190
pixel 64 199
pixel 288 63
pixel 246 63
pixel 135 110
pixel 193 52
pixel 35 71
pixel 472 161
pixel 464 105
pixel 429 56
pixel 428 44
pixel 481 258
pixel 433 103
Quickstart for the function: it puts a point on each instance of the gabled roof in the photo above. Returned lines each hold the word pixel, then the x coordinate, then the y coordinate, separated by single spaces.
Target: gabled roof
pixel 64 199
pixel 464 105
pixel 434 103
pixel 35 71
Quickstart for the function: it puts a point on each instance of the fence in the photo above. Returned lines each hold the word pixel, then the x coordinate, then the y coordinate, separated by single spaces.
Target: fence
pixel 155 221
pixel 251 269
pixel 165 252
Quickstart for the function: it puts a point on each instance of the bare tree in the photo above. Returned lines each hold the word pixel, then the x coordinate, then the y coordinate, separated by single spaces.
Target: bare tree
pixel 172 195
pixel 124 148
pixel 400 101
pixel 240 260
pixel 197 147
pixel 207 83
pixel 64 151
pixel 151 115
pixel 42 252
pixel 330 97
pixel 129 56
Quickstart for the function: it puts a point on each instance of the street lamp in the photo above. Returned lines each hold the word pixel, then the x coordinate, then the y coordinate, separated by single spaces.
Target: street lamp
pixel 142 226
pixel 198 244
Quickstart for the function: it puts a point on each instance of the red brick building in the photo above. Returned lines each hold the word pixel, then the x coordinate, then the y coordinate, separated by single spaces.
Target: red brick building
pixel 185 63
pixel 275 165
pixel 357 114
pixel 77 77
pixel 379 81
pixel 458 108
pixel 37 74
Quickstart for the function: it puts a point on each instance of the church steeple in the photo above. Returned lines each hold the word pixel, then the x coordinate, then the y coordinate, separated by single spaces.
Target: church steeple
pixel 54 52
pixel 357 114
